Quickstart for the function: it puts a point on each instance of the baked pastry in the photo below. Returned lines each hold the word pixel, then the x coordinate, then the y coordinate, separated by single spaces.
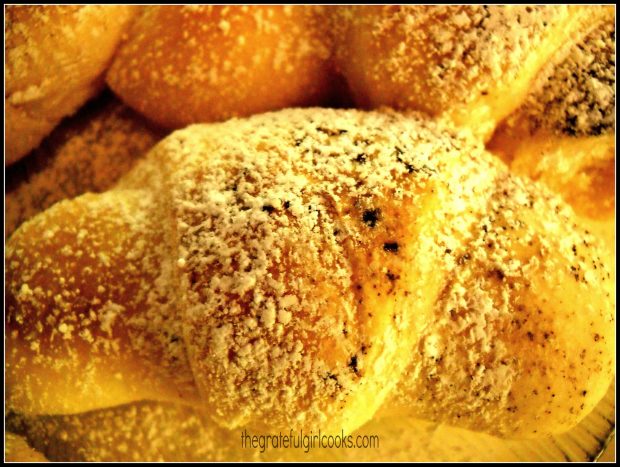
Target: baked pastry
pixel 471 64
pixel 302 268
pixel 563 133
pixel 18 450
pixel 55 57
pixel 474 66
pixel 481 346
pixel 190 64
pixel 87 152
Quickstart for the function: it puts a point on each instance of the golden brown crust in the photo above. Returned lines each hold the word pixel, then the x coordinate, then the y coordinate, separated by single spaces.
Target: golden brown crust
pixel 293 256
pixel 55 57
pixel 470 64
pixel 192 64
pixel 573 95
pixel 80 320
pixel 16 449
pixel 562 134
pixel 88 152
pixel 267 315
pixel 500 353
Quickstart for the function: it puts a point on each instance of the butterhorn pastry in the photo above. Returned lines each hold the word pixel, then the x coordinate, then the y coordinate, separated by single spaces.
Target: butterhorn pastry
pixel 87 152
pixel 472 65
pixel 563 133
pixel 55 60
pixel 202 63
pixel 475 66
pixel 302 268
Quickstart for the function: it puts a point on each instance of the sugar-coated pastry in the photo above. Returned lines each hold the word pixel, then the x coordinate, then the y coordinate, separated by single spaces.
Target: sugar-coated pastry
pixel 55 57
pixel 190 64
pixel 434 265
pixel 297 269
pixel 89 151
pixel 471 64
pixel 564 133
